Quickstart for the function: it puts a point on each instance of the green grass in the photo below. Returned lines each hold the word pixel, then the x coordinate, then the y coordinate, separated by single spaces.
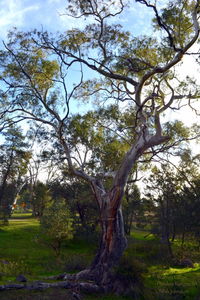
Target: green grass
pixel 142 235
pixel 22 215
pixel 163 282
pixel 21 253
pixel 19 250
pixel 174 283
pixel 18 245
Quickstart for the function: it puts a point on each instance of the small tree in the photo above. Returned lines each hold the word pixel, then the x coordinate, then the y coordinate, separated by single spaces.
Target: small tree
pixel 56 226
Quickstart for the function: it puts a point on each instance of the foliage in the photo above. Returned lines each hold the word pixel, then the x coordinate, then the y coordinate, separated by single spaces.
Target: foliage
pixel 14 159
pixel 41 199
pixel 56 226
pixel 11 268
pixel 131 207
pixel 130 273
pixel 174 192
pixel 79 199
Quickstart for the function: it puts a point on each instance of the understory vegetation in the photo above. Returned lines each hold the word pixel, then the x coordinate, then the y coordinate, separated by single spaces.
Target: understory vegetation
pixel 144 263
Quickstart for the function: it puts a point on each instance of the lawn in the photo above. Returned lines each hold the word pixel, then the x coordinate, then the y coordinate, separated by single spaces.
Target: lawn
pixel 21 253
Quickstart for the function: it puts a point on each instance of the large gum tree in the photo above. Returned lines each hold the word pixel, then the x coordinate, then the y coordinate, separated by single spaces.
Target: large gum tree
pixel 137 75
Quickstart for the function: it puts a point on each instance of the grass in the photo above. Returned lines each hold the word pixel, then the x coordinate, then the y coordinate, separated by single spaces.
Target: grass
pixel 163 282
pixel 19 246
pixel 175 283
pixel 142 235
pixel 21 253
pixel 20 250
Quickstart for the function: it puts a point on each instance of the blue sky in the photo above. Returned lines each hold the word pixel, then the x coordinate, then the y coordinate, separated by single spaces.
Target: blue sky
pixel 28 14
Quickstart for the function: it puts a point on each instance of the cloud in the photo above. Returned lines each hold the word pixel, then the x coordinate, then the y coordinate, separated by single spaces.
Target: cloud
pixel 12 14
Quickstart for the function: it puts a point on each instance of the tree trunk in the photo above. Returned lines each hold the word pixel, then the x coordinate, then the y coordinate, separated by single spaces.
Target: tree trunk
pixel 183 236
pixel 112 245
pixel 165 239
pixel 113 241
pixel 173 233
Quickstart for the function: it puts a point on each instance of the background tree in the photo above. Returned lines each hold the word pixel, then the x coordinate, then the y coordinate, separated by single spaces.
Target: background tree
pixel 41 199
pixel 14 161
pixel 173 190
pixel 163 192
pixel 132 207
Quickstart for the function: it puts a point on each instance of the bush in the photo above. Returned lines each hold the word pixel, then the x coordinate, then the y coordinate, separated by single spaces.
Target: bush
pixel 86 234
pixel 76 262
pixel 129 277
pixel 55 226
pixel 13 268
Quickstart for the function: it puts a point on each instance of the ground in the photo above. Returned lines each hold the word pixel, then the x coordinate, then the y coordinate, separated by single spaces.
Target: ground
pixel 21 252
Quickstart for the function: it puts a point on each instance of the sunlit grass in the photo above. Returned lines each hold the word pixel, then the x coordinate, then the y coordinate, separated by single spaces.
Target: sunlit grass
pixel 21 215
pixel 142 235
pixel 173 271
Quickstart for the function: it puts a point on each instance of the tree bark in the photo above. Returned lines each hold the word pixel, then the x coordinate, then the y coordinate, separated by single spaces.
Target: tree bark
pixel 113 241
pixel 112 245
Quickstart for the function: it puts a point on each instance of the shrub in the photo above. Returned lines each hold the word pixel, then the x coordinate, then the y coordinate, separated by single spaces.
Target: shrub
pixel 13 268
pixel 76 262
pixel 129 277
pixel 86 234
pixel 55 226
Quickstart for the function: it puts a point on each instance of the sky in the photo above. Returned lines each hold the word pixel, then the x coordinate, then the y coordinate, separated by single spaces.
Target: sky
pixel 28 14
pixel 49 14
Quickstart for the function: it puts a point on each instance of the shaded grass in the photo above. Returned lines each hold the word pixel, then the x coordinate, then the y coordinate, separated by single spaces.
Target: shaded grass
pixel 54 294
pixel 142 235
pixel 106 297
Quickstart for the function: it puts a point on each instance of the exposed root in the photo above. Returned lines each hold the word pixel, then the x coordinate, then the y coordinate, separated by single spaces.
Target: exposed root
pixel 37 285
pixel 86 275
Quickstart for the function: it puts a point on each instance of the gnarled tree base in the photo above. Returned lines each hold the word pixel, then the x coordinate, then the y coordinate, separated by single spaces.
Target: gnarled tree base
pixel 71 282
